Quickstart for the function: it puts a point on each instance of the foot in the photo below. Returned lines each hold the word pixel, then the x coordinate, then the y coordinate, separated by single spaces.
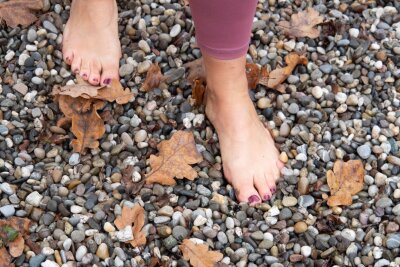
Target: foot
pixel 91 43
pixel 250 159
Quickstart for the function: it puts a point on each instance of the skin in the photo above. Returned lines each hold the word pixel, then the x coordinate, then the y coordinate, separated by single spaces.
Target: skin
pixel 91 43
pixel 250 159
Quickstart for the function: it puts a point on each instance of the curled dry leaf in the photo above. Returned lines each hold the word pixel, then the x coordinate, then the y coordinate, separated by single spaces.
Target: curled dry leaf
pixel 256 76
pixel 302 24
pixel 131 187
pixel 198 91
pixel 174 159
pixel 196 70
pixel 198 254
pixel 346 179
pixel 277 76
pixel 113 92
pixel 133 216
pixel 20 12
pixel 153 79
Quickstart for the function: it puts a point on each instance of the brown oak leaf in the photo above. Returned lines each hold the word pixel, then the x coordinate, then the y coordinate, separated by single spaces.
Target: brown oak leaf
pixel 5 258
pixel 153 79
pixel 346 179
pixel 302 24
pixel 87 127
pixel 19 12
pixel 133 216
pixel 113 92
pixel 174 159
pixel 277 76
pixel 198 254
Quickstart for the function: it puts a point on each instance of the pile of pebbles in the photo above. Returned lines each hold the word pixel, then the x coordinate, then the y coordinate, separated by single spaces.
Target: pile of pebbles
pixel 344 104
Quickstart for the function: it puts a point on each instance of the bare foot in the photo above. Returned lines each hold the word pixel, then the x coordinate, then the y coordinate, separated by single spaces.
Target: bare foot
pixel 250 159
pixel 91 43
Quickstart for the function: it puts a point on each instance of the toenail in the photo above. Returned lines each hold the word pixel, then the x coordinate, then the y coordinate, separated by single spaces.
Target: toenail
pixel 267 197
pixel 273 189
pixel 76 71
pixel 84 75
pixel 107 81
pixel 95 80
pixel 253 199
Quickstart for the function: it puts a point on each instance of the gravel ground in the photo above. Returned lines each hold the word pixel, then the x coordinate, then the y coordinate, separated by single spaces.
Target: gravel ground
pixel 73 200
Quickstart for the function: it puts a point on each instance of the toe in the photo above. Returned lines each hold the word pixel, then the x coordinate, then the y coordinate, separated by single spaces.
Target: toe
pixel 76 64
pixel 68 57
pixel 85 70
pixel 280 164
pixel 262 187
pixel 247 193
pixel 95 69
pixel 109 72
pixel 270 179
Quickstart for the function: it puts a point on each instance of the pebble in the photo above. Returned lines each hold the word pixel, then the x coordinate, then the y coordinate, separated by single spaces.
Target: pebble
pixel 175 30
pixel 364 151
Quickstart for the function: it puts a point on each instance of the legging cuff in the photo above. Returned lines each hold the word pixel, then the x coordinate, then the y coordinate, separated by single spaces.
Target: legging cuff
pixel 224 54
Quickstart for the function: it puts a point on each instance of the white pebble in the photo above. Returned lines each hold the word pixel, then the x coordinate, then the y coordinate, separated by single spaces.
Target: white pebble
pixel 305 251
pixel 317 92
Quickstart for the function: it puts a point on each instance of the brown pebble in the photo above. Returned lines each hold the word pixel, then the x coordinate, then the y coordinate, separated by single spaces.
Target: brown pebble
pixel 164 231
pixel 381 55
pixel 392 227
pixel 296 258
pixel 56 174
pixel 73 183
pixel 58 257
pixel 300 227
pixel 303 186
pixel 102 251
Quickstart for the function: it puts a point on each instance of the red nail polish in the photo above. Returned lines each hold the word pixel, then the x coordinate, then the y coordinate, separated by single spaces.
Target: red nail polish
pixel 107 81
pixel 267 197
pixel 253 199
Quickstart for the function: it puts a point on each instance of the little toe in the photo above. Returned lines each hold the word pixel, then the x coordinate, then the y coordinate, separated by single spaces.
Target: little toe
pixel 95 69
pixel 68 56
pixel 262 187
pixel 280 164
pixel 76 64
pixel 270 179
pixel 85 71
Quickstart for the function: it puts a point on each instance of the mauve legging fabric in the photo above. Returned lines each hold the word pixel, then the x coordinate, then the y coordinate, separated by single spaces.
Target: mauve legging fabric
pixel 223 27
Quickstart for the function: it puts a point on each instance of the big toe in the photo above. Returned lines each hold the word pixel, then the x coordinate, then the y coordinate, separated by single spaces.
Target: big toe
pixel 246 192
pixel 109 72
pixel 264 187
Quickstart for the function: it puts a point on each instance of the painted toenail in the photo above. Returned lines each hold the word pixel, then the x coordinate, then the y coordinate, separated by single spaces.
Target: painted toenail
pixel 273 189
pixel 253 199
pixel 76 71
pixel 267 197
pixel 84 75
pixel 107 81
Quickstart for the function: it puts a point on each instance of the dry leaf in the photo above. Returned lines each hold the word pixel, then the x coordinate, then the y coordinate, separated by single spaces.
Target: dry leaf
pixel 346 179
pixel 16 247
pixel 196 70
pixel 256 76
pixel 302 24
pixel 113 92
pixel 87 127
pixel 277 76
pixel 131 187
pixel 174 159
pixel 199 255
pixel 5 258
pixel 153 79
pixel 135 216
pixel 198 91
pixel 19 12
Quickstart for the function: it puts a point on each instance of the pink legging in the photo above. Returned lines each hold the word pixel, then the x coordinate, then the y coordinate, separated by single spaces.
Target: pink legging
pixel 223 27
